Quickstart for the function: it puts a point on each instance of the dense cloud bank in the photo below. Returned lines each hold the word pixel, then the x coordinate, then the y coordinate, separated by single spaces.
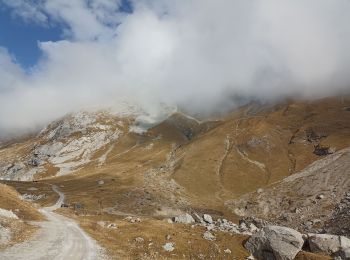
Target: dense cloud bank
pixel 202 55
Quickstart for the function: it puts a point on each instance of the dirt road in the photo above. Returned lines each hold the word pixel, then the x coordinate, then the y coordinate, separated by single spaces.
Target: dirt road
pixel 58 238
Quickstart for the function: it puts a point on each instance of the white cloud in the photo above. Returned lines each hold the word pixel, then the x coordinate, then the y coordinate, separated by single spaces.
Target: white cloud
pixel 10 72
pixel 194 53
pixel 28 10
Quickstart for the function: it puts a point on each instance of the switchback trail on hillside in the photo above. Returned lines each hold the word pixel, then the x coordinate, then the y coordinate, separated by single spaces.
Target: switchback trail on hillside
pixel 58 238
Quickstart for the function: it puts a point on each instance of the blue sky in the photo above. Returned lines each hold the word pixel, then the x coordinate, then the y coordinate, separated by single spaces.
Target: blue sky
pixel 21 38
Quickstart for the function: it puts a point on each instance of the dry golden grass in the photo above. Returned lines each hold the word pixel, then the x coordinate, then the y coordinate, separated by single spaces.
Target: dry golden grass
pixel 253 147
pixel 188 242
pixel 276 148
pixel 21 229
pixel 10 200
pixel 24 187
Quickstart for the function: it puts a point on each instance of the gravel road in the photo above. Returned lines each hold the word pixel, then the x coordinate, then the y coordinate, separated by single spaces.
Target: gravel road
pixel 58 238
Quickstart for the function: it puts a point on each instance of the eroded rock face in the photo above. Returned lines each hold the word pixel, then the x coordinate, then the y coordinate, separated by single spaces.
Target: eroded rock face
pixel 275 243
pixel 329 244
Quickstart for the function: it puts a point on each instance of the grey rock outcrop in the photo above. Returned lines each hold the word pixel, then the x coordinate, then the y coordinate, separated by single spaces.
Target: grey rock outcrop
pixel 275 242
pixel 33 197
pixel 329 244
pixel 184 219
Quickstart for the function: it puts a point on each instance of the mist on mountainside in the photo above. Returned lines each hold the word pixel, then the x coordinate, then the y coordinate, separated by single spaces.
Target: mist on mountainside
pixel 203 56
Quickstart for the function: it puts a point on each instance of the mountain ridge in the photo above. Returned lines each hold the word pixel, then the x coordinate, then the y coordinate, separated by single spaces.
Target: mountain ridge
pixel 182 164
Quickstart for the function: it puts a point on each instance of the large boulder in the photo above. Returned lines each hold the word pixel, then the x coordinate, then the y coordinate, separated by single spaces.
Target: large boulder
pixel 184 219
pixel 275 243
pixel 329 244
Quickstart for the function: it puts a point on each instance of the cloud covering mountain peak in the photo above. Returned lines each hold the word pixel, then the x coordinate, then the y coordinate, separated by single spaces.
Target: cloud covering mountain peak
pixel 198 54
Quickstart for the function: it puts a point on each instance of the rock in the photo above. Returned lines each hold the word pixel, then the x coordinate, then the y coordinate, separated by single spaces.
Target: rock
pixel 243 226
pixel 325 243
pixel 210 227
pixel 259 223
pixel 227 251
pixel 112 225
pixel 139 240
pixel 35 161
pixel 320 197
pixel 227 226
pixel 275 242
pixel 168 237
pixel 348 195
pixel 184 219
pixel 33 197
pixel 208 236
pixel 170 221
pixel 250 258
pixel 4 213
pixel 132 220
pixel 207 218
pixel 344 254
pixel 100 182
pixel 297 210
pixel 253 228
pixel 128 218
pixel 169 247
pixel 198 218
pixel 286 217
pixel 245 230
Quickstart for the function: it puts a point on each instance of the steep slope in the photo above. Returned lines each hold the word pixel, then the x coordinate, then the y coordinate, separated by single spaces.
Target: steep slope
pixel 15 215
pixel 254 147
pixel 62 147
pixel 307 200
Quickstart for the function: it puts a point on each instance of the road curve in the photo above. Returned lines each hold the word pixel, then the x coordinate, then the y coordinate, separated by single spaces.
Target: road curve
pixel 59 238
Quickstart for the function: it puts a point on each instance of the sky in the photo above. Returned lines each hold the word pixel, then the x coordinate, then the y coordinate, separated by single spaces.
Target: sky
pixel 21 38
pixel 58 56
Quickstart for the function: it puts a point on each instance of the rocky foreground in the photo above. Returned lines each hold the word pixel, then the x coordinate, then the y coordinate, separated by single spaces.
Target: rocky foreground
pixel 268 241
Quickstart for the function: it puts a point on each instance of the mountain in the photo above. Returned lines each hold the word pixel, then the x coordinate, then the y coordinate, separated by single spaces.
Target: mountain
pixel 260 160
pixel 311 200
